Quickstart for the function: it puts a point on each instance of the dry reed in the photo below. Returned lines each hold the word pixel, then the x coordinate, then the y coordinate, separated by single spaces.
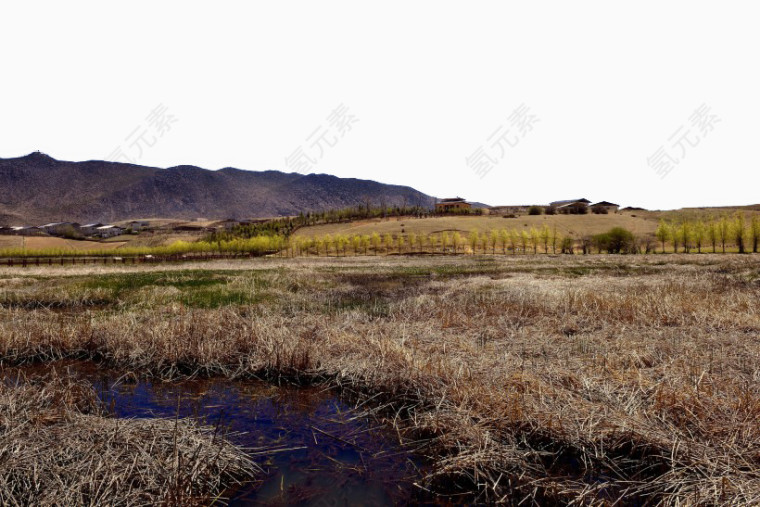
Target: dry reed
pixel 569 380
pixel 57 447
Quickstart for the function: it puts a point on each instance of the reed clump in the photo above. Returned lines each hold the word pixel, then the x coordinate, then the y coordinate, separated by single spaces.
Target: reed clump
pixel 58 447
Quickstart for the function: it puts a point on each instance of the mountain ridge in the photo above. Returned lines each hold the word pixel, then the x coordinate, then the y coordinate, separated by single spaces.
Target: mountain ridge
pixel 39 188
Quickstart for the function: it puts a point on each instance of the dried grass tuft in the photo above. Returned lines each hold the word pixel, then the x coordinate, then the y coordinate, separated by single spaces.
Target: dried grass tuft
pixel 57 447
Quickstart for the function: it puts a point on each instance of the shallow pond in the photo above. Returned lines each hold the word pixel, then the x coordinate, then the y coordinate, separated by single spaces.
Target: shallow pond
pixel 316 448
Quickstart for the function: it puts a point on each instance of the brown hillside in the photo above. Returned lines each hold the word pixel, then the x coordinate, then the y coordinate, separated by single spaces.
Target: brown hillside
pixel 37 188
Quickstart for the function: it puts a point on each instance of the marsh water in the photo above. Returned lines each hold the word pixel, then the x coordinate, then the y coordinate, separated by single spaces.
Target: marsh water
pixel 315 448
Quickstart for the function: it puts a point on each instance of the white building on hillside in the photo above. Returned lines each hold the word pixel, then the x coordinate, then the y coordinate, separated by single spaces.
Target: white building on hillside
pixel 109 231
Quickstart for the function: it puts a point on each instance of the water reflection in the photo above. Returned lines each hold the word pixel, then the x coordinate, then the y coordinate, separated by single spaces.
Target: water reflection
pixel 316 448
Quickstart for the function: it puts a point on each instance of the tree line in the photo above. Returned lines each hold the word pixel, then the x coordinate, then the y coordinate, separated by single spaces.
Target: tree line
pixel 728 232
pixel 285 226
pixel 259 245
pixel 534 240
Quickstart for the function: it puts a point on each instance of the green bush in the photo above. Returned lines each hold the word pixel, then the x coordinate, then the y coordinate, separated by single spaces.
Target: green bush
pixel 616 240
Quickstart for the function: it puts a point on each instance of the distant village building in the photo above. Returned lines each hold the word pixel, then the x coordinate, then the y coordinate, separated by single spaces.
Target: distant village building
pixel 23 230
pixel 452 204
pixel 60 228
pixel 515 208
pixel 137 225
pixel 90 229
pixel 571 207
pixel 109 231
pixel 604 207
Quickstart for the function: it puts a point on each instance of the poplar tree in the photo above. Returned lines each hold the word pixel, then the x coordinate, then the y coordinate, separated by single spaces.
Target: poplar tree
pixel 686 234
pixel 493 238
pixel 663 233
pixel 543 235
pixel 700 231
pixel 484 242
pixel 456 238
pixel 445 241
pixel 738 230
pixel 504 239
pixel 412 241
pixel 712 234
pixel 472 239
pixel 535 238
pixel 724 229
pixel 375 240
pixel 524 239
pixel 514 239
pixel 754 232
pixel 555 239
pixel 421 242
pixel 387 242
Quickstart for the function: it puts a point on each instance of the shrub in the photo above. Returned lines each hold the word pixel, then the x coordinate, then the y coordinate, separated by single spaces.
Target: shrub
pixel 535 210
pixel 616 240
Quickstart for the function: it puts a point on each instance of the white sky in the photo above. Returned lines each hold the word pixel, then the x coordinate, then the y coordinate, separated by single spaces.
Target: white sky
pixel 429 82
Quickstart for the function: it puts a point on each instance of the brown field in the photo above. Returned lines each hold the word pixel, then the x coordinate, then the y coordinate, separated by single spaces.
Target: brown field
pixel 525 379
pixel 572 225
pixel 145 239
pixel 151 239
pixel 49 242
pixel 640 223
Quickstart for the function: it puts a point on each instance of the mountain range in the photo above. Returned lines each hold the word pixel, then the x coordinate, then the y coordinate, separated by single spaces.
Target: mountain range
pixel 38 188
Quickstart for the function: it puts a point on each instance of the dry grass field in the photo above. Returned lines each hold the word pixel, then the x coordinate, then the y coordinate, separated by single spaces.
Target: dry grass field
pixel 49 242
pixel 568 225
pixel 589 380
pixel 145 239
pixel 152 239
pixel 640 222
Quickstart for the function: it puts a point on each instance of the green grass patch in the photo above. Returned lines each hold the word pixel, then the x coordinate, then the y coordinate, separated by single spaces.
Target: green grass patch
pixel 217 297
pixel 197 288
pixel 120 283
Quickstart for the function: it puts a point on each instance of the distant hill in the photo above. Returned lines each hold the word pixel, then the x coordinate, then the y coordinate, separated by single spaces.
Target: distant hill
pixel 38 188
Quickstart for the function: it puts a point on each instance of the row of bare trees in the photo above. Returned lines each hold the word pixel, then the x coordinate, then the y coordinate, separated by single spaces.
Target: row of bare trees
pixel 726 233
pixel 533 240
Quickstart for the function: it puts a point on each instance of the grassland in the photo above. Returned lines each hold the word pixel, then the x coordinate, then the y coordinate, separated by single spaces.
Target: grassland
pixel 546 379
pixel 159 238
pixel 48 242
pixel 567 225
pixel 639 222
pixel 154 239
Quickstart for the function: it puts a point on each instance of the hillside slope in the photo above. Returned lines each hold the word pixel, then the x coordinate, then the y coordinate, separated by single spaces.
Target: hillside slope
pixel 37 188
pixel 571 225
